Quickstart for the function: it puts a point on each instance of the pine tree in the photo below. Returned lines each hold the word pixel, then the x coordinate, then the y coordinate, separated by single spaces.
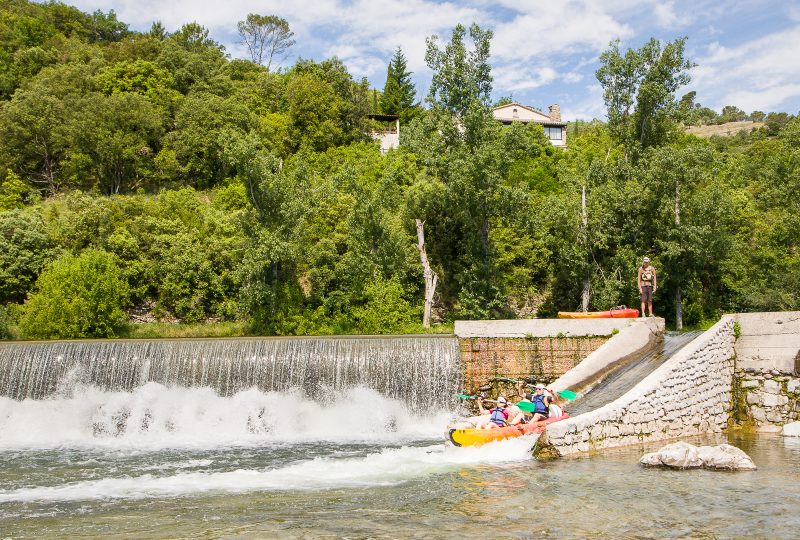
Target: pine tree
pixel 398 93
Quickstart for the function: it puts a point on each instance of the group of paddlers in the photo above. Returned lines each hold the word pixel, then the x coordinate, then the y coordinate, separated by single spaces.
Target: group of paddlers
pixel 541 406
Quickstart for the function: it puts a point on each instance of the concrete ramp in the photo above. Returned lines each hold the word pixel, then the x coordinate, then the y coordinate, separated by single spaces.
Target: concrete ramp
pixel 630 343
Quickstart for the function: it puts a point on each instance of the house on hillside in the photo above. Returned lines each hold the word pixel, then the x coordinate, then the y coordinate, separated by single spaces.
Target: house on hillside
pixel 386 130
pixel 554 128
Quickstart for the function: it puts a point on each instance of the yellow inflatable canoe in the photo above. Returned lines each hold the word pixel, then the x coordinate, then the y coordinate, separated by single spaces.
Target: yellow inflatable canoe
pixel 477 436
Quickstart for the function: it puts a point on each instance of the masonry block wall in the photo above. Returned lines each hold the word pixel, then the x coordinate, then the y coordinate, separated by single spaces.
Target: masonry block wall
pixel 768 368
pixel 540 358
pixel 768 397
pixel 690 394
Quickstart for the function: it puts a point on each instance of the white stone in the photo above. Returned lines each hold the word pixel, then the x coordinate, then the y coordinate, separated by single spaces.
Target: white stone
pixel 769 400
pixel 679 455
pixel 791 430
pixel 775 416
pixel 750 384
pixel 793 386
pixel 725 457
pixel 753 398
pixel 772 386
pixel 652 459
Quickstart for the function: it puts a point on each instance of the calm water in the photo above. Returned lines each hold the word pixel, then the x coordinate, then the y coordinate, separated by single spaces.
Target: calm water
pixel 189 464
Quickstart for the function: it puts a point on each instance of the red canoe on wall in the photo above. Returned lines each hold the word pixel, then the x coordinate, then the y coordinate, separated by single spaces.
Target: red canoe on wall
pixel 621 313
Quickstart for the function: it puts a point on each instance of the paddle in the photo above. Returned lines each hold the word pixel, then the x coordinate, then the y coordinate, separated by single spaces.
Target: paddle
pixel 569 395
pixel 526 406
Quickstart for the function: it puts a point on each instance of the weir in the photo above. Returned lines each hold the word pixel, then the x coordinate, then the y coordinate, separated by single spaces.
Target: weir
pixel 422 371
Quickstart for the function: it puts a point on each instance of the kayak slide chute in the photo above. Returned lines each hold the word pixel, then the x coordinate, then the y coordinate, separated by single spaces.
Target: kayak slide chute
pixel 479 436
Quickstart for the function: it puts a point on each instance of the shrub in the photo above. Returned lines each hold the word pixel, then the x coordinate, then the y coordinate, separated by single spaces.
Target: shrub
pixel 77 297
pixel 386 311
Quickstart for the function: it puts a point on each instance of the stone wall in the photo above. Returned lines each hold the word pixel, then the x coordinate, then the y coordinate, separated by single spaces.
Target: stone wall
pixel 688 395
pixel 768 368
pixel 535 358
pixel 768 397
pixel 532 349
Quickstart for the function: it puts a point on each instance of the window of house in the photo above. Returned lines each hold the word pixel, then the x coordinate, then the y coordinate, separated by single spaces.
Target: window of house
pixel 515 113
pixel 553 133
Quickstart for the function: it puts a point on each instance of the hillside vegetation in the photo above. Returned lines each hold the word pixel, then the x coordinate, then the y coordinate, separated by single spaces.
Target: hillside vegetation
pixel 150 177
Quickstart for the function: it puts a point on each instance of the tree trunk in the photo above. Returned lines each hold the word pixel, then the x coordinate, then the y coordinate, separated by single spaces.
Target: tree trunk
pixel 431 279
pixel 585 233
pixel 678 306
pixel 678 310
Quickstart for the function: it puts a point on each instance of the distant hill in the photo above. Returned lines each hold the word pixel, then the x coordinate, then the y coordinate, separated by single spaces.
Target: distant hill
pixel 724 130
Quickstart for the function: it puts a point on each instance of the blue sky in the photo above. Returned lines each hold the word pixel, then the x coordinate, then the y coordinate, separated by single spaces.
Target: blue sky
pixel 543 52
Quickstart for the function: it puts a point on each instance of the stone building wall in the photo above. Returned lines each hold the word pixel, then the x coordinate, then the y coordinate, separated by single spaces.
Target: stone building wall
pixel 688 395
pixel 541 359
pixel 768 397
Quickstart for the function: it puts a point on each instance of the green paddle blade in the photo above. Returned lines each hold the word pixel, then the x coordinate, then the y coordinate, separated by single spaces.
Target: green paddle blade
pixel 526 406
pixel 568 394
pixel 464 396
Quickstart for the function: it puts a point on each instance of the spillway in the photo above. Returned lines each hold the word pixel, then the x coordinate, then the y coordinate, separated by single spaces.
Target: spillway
pixel 619 381
pixel 421 371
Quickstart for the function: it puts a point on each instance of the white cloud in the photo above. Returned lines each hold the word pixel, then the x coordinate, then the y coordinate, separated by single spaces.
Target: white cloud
pixel 759 74
pixel 555 28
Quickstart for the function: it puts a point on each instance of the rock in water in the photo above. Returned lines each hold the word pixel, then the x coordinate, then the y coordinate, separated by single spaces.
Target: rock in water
pixel 679 455
pixel 726 457
pixel 682 455
pixel 791 430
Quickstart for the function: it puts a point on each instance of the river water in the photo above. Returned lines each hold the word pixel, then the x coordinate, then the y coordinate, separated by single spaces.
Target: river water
pixel 172 462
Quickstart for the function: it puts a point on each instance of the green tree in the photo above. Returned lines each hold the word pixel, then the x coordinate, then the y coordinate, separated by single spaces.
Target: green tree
pixel 77 297
pixel 461 77
pixel 639 90
pixel 13 192
pixel 267 38
pixel 24 250
pixel 398 93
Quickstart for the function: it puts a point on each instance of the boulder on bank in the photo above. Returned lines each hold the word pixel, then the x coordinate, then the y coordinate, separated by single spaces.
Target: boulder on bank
pixel 791 430
pixel 682 455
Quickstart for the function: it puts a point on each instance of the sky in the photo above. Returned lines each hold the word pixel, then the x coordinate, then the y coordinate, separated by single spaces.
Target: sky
pixel 543 52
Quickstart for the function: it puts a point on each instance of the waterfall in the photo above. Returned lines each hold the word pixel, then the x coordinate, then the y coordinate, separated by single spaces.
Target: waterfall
pixel 422 371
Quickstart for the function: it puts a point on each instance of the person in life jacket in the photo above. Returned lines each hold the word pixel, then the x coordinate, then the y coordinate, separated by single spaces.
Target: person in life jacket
pixel 498 415
pixel 647 284
pixel 542 402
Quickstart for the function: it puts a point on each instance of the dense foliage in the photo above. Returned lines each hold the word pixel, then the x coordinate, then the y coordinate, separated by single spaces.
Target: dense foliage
pixel 147 176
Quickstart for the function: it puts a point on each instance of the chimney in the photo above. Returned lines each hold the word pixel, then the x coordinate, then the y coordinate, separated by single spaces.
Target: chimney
pixel 555 112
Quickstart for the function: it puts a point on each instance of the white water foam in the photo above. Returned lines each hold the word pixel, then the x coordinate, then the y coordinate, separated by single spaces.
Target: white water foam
pixel 386 467
pixel 154 416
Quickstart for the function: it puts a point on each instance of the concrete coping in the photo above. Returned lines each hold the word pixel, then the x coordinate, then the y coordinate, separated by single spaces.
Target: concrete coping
pixel 537 328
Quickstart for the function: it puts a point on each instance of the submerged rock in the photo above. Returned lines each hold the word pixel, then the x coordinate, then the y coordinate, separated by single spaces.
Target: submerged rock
pixel 791 430
pixel 682 455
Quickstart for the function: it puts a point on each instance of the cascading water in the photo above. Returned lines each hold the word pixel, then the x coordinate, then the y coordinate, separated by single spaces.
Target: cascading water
pixel 211 393
pixel 423 372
